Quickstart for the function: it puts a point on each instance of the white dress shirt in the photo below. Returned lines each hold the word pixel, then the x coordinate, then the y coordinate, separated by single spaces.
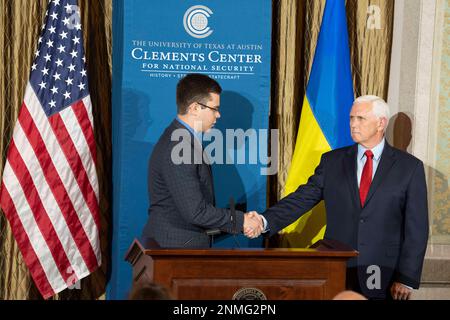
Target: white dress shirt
pixel 361 158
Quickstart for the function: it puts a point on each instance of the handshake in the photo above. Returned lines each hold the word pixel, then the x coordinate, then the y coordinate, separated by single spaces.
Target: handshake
pixel 253 224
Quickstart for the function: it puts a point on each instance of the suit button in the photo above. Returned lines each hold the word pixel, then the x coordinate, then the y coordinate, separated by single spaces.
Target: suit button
pixel 362 220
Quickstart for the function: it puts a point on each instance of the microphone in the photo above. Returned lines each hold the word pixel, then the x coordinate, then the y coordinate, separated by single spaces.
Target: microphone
pixel 234 231
pixel 233 216
pixel 210 233
pixel 213 232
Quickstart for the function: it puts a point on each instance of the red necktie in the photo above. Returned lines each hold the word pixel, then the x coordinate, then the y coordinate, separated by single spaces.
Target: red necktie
pixel 366 177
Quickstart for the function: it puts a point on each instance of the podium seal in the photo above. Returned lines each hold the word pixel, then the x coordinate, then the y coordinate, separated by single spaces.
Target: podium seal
pixel 249 294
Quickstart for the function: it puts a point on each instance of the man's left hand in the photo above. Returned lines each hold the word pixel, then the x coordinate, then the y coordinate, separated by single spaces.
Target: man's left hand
pixel 400 292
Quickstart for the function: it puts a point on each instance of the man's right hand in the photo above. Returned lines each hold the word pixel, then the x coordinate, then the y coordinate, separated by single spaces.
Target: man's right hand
pixel 253 224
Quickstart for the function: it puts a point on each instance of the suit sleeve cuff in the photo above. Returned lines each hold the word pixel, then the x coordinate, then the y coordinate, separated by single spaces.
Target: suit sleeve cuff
pixel 239 223
pixel 265 224
pixel 406 281
pixel 410 288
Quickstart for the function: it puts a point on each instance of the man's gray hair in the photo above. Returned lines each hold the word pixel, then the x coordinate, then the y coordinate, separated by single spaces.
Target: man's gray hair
pixel 380 107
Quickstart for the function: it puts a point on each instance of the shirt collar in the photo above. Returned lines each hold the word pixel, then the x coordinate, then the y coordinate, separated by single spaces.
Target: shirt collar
pixel 198 135
pixel 377 150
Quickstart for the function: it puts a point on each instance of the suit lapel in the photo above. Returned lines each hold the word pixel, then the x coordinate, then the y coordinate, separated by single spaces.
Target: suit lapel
pixel 386 162
pixel 350 172
pixel 207 163
pixel 198 153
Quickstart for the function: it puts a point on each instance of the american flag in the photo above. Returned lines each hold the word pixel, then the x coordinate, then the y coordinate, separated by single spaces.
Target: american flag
pixel 49 190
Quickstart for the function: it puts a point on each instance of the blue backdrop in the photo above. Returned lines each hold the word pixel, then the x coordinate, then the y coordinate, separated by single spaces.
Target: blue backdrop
pixel 155 44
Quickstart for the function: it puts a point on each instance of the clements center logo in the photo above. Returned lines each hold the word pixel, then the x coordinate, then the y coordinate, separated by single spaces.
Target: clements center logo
pixel 195 21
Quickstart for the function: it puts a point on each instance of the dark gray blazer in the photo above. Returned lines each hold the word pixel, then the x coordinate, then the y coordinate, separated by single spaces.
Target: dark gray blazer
pixel 391 229
pixel 182 195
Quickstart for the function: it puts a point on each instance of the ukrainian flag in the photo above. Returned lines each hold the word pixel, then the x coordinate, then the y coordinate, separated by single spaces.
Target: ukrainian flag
pixel 324 122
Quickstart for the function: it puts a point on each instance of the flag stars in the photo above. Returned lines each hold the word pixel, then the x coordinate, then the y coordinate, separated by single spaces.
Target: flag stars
pixel 59 62
pixel 68 8
pixel 42 85
pixel 54 90
pixel 59 71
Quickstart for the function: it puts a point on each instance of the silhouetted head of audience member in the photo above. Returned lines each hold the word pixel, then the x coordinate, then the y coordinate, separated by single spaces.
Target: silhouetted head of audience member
pixel 149 291
pixel 349 295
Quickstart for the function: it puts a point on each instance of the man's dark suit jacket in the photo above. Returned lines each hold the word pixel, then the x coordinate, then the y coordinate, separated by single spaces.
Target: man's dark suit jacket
pixel 182 195
pixel 390 231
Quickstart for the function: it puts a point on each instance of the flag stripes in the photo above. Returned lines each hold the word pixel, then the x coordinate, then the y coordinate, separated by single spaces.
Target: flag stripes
pixel 49 191
pixel 29 253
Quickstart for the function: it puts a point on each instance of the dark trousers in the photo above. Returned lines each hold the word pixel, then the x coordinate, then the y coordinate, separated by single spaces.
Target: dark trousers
pixel 352 280
pixel 352 283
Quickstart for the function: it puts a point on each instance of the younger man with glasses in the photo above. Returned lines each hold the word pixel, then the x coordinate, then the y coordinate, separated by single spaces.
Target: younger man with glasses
pixel 180 179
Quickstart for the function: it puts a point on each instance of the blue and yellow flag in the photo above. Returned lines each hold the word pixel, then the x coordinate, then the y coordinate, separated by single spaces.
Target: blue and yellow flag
pixel 324 122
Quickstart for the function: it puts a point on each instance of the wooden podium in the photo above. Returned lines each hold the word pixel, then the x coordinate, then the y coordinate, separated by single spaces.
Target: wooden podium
pixel 243 274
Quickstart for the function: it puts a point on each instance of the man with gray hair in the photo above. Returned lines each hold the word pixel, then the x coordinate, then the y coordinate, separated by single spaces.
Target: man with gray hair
pixel 376 201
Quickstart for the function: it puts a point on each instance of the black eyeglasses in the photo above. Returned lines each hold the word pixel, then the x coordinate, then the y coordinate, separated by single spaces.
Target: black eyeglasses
pixel 213 109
